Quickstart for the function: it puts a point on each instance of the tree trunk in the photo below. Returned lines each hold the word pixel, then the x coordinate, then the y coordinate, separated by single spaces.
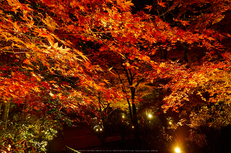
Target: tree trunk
pixel 0 108
pixel 5 114
pixel 186 53
pixel 6 111
pixel 135 120
pixel 100 108
pixel 163 54
pixel 130 109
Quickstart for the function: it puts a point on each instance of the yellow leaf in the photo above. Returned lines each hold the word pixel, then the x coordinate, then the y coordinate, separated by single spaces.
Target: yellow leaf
pixel 158 70
pixel 162 64
pixel 34 75
pixel 218 19
pixel 110 68
pixel 36 89
pixel 51 24
pixel 106 81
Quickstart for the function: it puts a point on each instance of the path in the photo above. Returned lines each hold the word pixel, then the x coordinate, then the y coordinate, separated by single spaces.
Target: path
pixel 74 137
pixel 83 139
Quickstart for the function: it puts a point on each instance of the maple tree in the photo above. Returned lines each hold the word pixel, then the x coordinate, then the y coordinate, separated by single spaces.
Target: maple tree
pixel 73 55
pixel 30 72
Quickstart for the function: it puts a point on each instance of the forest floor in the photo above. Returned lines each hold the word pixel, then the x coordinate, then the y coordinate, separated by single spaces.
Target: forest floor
pixel 83 139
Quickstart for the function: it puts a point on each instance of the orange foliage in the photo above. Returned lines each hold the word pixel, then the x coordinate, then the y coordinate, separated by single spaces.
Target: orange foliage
pixel 86 40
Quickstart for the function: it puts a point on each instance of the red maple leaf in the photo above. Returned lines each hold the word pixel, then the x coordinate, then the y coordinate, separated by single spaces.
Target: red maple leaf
pixel 161 3
pixel 148 7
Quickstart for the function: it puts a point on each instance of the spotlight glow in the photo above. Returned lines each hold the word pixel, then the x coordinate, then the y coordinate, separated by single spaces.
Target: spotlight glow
pixel 177 150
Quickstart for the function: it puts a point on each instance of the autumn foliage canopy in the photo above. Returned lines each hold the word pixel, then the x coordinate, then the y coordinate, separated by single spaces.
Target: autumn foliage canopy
pixel 63 55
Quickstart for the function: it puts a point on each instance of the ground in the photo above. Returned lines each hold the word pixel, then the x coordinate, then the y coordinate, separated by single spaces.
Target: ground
pixel 83 139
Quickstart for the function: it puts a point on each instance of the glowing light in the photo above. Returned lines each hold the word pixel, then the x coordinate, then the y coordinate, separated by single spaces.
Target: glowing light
pixel 101 129
pixel 170 123
pixel 150 115
pixel 97 129
pixel 133 126
pixel 9 147
pixel 177 150
pixel 123 116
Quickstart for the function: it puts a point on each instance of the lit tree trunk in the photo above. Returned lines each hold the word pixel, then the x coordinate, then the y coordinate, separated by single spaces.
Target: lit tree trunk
pixel 0 108
pixel 5 114
pixel 6 111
